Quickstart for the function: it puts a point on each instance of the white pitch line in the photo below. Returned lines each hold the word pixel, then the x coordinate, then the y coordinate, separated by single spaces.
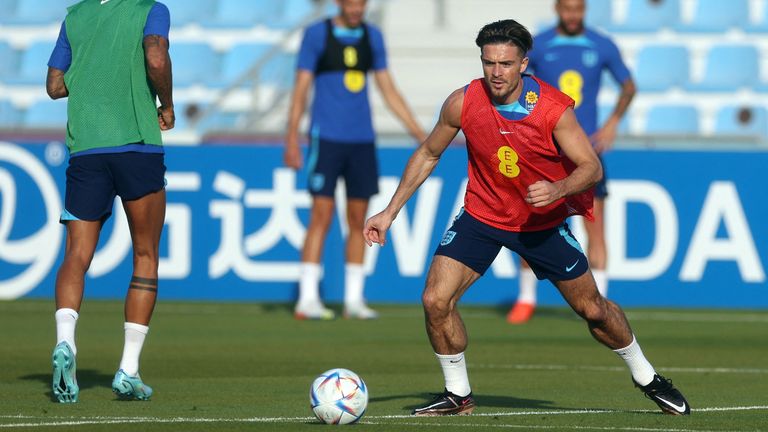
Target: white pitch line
pixel 532 427
pixel 618 368
pixel 72 421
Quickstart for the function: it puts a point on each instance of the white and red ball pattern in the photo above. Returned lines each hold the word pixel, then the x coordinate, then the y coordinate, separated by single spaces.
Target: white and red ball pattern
pixel 338 396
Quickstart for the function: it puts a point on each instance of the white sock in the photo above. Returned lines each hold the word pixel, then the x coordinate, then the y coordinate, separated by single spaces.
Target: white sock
pixel 642 371
pixel 455 373
pixel 134 341
pixel 601 279
pixel 66 321
pixel 309 283
pixel 354 281
pixel 527 286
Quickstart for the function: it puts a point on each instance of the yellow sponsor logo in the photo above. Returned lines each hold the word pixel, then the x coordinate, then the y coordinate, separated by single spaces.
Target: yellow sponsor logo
pixel 354 81
pixel 350 56
pixel 531 97
pixel 572 83
pixel 508 162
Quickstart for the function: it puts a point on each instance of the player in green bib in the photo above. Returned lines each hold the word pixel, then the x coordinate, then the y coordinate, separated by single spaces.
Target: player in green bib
pixel 111 61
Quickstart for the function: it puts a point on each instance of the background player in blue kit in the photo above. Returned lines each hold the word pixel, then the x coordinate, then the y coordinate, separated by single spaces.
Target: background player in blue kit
pixel 573 57
pixel 336 55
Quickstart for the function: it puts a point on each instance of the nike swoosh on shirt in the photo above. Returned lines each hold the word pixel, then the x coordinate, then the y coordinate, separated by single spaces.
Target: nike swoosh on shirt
pixel 568 269
pixel 503 132
pixel 104 1
pixel 678 408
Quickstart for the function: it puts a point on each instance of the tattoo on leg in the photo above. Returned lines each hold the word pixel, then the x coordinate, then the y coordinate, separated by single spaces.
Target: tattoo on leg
pixel 144 284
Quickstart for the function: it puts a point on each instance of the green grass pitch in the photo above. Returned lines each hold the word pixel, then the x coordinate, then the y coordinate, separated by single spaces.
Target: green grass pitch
pixel 221 366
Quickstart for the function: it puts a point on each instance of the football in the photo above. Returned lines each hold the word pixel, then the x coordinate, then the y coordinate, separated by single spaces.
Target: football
pixel 338 396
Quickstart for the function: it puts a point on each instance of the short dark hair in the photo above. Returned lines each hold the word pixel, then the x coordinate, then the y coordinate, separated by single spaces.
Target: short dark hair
pixel 506 31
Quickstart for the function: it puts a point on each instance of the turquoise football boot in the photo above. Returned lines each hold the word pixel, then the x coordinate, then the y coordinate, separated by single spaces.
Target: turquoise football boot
pixel 64 374
pixel 128 387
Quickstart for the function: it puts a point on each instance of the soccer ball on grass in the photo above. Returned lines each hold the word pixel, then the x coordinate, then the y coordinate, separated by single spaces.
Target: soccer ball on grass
pixel 338 396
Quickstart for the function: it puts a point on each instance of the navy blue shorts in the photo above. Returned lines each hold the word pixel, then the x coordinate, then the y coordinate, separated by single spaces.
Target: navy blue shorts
pixel 601 188
pixel 553 254
pixel 356 163
pixel 94 180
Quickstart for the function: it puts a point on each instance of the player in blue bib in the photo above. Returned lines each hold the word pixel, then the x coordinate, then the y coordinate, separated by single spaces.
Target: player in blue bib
pixel 573 57
pixel 336 56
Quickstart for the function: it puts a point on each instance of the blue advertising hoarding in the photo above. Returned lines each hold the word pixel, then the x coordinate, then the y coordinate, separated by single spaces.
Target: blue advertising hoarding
pixel 684 229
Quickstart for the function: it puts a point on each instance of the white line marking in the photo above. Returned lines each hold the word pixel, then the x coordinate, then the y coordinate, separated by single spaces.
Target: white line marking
pixel 617 368
pixel 101 420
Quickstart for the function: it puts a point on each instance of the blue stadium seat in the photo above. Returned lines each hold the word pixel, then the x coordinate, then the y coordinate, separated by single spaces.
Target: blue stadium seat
pixel 241 58
pixel 729 68
pixel 47 114
pixel 279 71
pixel 194 63
pixel 672 120
pixel 715 16
pixel 661 67
pixel 184 12
pixel 37 12
pixel 7 8
pixel 603 111
pixel 231 13
pixel 9 115
pixel 33 65
pixel 296 12
pixel 648 16
pixel 217 120
pixel 8 61
pixel 599 13
pixel 742 121
pixel 761 26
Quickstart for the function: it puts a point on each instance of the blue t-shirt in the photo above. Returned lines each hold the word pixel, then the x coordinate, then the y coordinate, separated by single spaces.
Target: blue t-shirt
pixel 340 113
pixel 574 64
pixel 158 23
pixel 527 101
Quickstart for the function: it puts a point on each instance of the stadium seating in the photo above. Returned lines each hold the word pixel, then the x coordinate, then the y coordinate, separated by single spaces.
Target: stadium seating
pixel 661 67
pixel 239 59
pixel 672 120
pixel 194 63
pixel 231 13
pixel 7 7
pixel 47 114
pixel 729 68
pixel 296 11
pixel 599 13
pixel 9 115
pixel 603 111
pixel 761 23
pixel 742 121
pixel 279 71
pixel 33 63
pixel 8 60
pixel 714 16
pixel 184 12
pixel 37 12
pixel 648 16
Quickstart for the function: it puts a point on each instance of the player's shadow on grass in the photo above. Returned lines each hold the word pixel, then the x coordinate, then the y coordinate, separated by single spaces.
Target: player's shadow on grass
pixel 86 378
pixel 489 401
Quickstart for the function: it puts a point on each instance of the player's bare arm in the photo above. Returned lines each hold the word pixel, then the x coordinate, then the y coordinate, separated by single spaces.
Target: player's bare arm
pixel 397 105
pixel 606 135
pixel 419 167
pixel 576 147
pixel 160 77
pixel 292 156
pixel 54 84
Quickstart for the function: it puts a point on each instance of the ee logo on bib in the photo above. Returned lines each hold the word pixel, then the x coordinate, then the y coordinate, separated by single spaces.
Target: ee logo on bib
pixel 508 162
